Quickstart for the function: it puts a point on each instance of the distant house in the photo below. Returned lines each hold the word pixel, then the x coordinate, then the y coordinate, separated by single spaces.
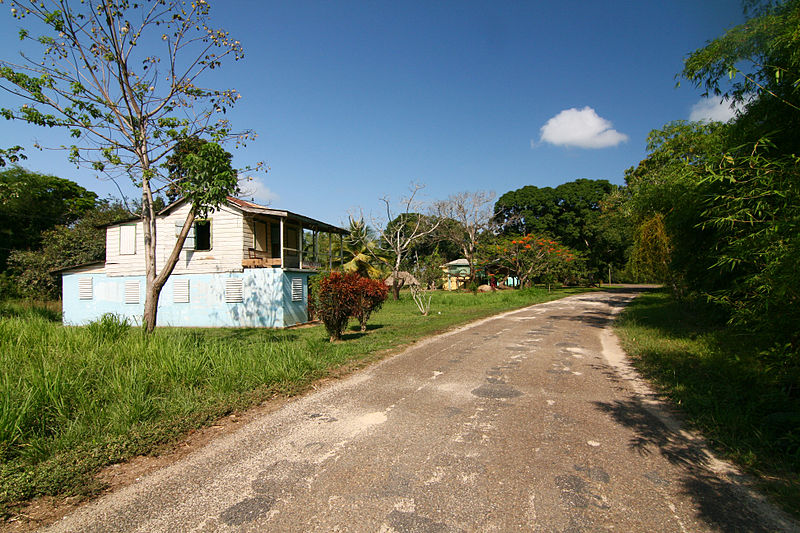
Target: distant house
pixel 245 265
pixel 456 275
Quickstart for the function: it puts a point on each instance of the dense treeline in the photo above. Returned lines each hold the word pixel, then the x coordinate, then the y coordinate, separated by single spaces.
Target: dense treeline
pixel 48 223
pixel 716 207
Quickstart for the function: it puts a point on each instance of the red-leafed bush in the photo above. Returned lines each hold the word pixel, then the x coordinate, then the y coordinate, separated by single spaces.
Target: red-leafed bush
pixel 372 294
pixel 338 296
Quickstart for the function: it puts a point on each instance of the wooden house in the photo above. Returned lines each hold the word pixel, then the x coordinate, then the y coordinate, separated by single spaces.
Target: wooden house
pixel 245 265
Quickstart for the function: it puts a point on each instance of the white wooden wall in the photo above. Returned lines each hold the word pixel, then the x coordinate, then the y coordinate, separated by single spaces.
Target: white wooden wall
pixel 230 239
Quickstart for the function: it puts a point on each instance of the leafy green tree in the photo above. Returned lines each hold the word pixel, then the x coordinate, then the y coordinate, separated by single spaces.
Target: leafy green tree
pixel 757 216
pixel 664 198
pixel 83 241
pixel 123 79
pixel 569 213
pixel 528 258
pixel 31 203
pixel 758 64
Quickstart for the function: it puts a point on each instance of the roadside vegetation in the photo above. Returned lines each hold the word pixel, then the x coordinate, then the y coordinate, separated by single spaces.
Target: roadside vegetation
pixel 726 381
pixel 75 399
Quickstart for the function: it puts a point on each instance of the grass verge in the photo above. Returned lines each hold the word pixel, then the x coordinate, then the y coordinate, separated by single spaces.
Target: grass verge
pixel 76 399
pixel 745 401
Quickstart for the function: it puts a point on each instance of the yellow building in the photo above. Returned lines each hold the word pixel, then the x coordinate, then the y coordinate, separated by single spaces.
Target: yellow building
pixel 456 275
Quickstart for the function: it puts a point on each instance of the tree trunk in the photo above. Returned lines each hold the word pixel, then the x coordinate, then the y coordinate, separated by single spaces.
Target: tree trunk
pixel 397 284
pixel 156 282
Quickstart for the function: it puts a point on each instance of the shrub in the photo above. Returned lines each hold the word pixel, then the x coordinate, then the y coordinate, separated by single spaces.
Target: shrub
pixel 338 295
pixel 371 295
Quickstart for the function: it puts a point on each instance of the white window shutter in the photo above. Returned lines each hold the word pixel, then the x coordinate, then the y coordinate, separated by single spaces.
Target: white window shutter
pixel 85 290
pixel 132 292
pixel 180 291
pixel 297 289
pixel 233 291
pixel 127 239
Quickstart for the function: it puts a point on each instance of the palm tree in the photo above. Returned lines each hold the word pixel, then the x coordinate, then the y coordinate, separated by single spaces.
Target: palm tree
pixel 362 253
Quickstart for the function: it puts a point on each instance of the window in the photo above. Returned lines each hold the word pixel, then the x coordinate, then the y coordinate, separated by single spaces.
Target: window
pixel 233 291
pixel 85 289
pixel 275 239
pixel 202 235
pixel 297 289
pixel 180 291
pixel 132 292
pixel 127 239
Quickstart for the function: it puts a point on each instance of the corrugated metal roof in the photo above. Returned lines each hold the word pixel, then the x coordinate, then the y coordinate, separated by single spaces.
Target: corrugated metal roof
pixel 250 207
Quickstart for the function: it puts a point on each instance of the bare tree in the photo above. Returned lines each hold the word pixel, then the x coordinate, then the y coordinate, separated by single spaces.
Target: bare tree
pixel 472 212
pixel 122 78
pixel 404 226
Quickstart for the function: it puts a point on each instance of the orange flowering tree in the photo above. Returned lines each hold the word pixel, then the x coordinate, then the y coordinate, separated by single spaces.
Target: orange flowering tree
pixel 529 258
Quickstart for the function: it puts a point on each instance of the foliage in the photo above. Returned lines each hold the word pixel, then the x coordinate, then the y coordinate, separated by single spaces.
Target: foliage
pixel 758 64
pixel 31 203
pixel 757 215
pixel 665 196
pixel 528 258
pixel 108 328
pixel 83 241
pixel 14 154
pixel 122 79
pixel 339 294
pixel 362 253
pixel 570 214
pixel 722 200
pixel 650 256
pixel 371 295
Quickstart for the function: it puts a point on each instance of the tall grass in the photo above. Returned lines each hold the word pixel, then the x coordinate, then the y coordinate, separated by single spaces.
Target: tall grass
pixel 74 399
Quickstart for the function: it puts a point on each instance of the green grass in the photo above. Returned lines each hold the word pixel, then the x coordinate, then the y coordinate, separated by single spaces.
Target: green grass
pixel 75 399
pixel 742 396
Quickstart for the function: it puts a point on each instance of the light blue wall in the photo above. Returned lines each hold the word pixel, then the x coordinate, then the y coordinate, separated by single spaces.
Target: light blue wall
pixel 295 312
pixel 267 300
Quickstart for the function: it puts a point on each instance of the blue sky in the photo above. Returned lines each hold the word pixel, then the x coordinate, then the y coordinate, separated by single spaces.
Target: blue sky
pixel 355 100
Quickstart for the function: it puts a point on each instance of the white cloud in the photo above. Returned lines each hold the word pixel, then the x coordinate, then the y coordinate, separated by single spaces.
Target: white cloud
pixel 713 110
pixel 257 190
pixel 582 128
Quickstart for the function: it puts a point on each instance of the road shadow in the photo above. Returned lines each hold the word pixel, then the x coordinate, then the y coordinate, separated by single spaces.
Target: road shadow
pixel 594 319
pixel 721 502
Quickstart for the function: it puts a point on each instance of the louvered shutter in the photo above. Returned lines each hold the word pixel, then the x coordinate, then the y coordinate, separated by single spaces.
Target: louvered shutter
pixel 297 289
pixel 85 290
pixel 233 291
pixel 131 292
pixel 180 291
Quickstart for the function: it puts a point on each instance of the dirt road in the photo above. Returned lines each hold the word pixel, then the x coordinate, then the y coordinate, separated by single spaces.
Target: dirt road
pixel 530 421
